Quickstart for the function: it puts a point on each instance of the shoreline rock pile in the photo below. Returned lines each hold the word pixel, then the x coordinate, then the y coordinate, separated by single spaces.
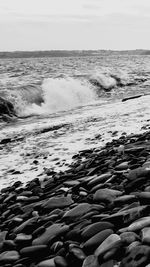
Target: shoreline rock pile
pixel 96 214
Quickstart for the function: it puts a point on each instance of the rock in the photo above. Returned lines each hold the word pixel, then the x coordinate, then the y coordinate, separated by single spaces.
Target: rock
pixel 121 218
pixel 139 256
pixel 23 239
pixel 95 228
pixel 34 251
pixel 100 179
pixel 144 197
pixel 122 166
pixel 111 242
pixel 145 235
pixel 57 202
pixel 139 172
pixel 106 195
pixel 60 261
pixel 91 261
pixel 139 224
pixel 77 212
pixel 9 256
pixel 126 199
pixel 6 108
pixel 27 226
pixel 50 234
pixel 47 263
pixel 128 237
pixel 91 244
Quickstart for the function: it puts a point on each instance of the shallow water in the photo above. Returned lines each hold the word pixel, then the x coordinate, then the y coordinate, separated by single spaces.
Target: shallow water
pixel 73 115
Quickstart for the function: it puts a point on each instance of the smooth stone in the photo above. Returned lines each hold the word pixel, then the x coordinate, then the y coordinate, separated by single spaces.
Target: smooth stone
pixel 91 244
pixel 139 224
pixel 145 235
pixel 126 199
pixel 106 195
pixel 91 261
pixel 50 233
pixel 33 251
pixel 108 264
pixel 109 243
pixel 127 216
pixel 57 202
pixel 122 166
pixel 76 256
pixel 133 245
pixel 47 263
pixel 144 197
pixel 95 228
pixel 100 179
pixel 26 226
pixel 60 261
pixel 129 237
pixel 9 256
pixel 23 238
pixel 139 172
pixel 71 183
pixel 139 256
pixel 77 212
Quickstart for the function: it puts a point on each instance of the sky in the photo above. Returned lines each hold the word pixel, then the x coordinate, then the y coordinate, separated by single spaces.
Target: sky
pixel 74 24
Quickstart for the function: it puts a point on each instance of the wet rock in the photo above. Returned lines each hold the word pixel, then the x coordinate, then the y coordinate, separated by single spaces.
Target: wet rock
pixel 77 212
pixel 145 235
pixel 137 257
pixel 27 226
pixel 60 261
pixel 106 195
pixel 95 228
pixel 91 261
pixel 139 224
pixel 47 263
pixel 100 179
pixel 9 256
pixel 91 244
pixel 57 202
pixel 34 251
pixel 50 234
pixel 129 237
pixel 111 242
pixel 124 217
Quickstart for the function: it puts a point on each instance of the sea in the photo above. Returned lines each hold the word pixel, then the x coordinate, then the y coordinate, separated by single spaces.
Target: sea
pixel 65 105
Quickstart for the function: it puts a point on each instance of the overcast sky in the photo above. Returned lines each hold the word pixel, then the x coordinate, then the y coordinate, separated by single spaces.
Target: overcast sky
pixel 74 24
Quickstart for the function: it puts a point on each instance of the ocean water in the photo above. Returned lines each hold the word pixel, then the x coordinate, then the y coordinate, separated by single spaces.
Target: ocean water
pixel 65 105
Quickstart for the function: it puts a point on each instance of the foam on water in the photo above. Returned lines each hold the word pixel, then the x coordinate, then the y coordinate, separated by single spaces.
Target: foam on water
pixel 61 94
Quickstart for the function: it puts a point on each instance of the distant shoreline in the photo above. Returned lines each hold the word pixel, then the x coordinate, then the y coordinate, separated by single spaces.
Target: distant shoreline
pixel 70 53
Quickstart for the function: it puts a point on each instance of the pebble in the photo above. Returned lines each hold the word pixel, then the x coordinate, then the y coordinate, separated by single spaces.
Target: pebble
pixel 95 214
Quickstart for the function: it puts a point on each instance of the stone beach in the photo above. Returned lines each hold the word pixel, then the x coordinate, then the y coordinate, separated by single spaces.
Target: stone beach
pixel 95 214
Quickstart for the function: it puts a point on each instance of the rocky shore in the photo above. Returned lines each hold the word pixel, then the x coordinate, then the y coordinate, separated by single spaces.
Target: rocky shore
pixel 95 214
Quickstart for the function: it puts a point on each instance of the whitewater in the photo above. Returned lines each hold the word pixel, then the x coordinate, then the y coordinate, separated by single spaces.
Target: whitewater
pixel 66 105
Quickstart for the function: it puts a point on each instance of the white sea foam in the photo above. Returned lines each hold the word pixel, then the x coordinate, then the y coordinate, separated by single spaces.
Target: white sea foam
pixel 61 94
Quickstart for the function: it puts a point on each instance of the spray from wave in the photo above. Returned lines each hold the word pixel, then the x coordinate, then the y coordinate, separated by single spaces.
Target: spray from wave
pixel 61 94
pixel 64 93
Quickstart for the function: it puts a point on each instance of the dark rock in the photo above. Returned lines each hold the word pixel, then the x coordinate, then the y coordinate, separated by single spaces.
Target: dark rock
pixel 50 234
pixel 91 261
pixel 139 256
pixel 34 251
pixel 91 244
pixel 9 256
pixel 77 212
pixel 57 202
pixel 60 261
pixel 106 195
pixel 95 228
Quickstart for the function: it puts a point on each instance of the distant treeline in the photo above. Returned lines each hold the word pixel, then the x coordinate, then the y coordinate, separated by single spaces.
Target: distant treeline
pixel 68 53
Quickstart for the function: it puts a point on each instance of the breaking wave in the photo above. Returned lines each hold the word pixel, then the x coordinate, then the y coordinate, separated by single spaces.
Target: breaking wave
pixel 64 93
